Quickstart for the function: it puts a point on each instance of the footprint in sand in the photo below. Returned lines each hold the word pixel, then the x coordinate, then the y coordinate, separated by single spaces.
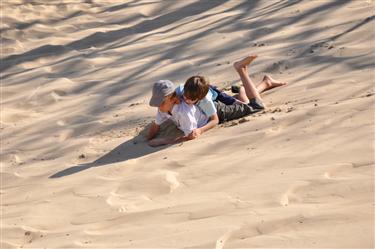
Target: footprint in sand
pixel 278 67
pixel 82 243
pixel 290 195
pixel 9 179
pixel 66 134
pixel 171 178
pixel 339 168
pixel 125 204
pixel 274 130
pixel 30 234
pixel 133 196
pixel 57 95
pixel 220 242
pixel 175 164
pixel 61 123
pixel 17 159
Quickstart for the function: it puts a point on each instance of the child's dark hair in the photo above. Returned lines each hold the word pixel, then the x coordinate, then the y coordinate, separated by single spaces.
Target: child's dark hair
pixel 196 87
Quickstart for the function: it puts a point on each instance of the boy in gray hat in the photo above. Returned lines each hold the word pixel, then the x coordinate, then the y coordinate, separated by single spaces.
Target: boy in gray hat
pixel 171 106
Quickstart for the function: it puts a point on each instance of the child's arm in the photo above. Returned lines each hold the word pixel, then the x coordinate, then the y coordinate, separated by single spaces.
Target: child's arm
pixel 153 131
pixel 214 120
pixel 186 125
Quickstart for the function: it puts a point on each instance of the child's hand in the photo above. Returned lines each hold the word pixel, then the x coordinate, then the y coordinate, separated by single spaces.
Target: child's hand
pixel 195 134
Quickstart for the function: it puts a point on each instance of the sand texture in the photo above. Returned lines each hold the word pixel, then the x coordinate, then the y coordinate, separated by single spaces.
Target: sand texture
pixel 76 172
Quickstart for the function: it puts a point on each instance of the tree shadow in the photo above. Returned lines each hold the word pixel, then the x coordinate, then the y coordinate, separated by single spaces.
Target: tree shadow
pixel 363 22
pixel 99 39
pixel 249 17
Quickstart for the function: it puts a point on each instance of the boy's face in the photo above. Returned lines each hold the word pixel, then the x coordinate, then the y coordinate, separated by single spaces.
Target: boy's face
pixel 190 101
pixel 167 104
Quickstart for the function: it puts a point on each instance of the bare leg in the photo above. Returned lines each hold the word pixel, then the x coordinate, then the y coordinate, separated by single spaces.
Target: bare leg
pixel 249 90
pixel 266 84
pixel 241 68
pixel 241 96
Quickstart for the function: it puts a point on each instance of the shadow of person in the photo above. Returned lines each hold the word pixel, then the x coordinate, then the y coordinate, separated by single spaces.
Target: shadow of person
pixel 131 149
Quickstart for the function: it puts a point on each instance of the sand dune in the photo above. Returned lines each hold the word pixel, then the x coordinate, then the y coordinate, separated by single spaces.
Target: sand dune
pixel 76 171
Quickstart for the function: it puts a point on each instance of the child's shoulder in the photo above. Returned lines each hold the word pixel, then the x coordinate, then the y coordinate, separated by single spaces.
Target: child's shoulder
pixel 211 94
pixel 180 90
pixel 208 98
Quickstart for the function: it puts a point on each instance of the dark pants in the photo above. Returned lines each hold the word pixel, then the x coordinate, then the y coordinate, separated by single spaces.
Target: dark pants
pixel 237 110
pixel 223 97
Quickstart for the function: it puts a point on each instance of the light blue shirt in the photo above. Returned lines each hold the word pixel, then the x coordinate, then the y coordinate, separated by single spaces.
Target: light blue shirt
pixel 206 104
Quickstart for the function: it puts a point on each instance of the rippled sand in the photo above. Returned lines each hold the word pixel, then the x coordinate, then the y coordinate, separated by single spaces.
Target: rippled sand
pixel 76 78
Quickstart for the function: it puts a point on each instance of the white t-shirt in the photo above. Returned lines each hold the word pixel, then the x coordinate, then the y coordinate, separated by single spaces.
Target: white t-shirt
pixel 186 117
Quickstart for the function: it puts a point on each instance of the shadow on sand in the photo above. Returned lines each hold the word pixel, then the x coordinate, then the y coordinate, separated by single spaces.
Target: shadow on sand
pixel 134 148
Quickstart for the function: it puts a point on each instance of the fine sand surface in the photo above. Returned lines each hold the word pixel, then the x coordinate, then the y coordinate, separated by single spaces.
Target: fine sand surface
pixel 76 171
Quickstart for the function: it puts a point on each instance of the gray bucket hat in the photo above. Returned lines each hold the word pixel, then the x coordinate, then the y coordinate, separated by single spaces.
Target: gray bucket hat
pixel 161 89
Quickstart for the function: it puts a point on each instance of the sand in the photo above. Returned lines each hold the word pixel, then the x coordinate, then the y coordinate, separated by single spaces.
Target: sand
pixel 76 171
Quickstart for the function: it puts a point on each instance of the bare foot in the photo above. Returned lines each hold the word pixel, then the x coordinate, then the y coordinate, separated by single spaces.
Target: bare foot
pixel 238 65
pixel 272 83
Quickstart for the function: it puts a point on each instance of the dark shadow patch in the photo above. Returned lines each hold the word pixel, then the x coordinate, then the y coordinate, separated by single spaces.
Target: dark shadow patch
pixel 134 148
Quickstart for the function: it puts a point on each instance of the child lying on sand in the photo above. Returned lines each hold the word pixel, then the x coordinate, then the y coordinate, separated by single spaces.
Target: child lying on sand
pixel 190 118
